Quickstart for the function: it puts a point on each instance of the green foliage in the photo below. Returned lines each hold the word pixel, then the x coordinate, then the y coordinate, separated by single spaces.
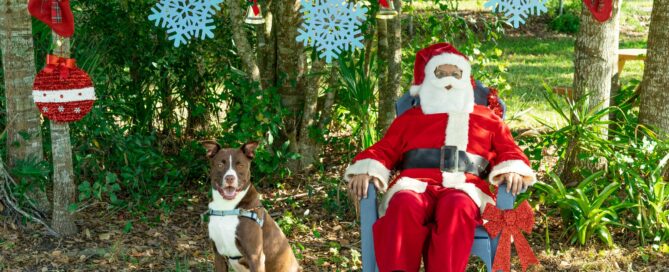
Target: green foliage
pixel 255 115
pixel 30 175
pixel 630 193
pixel 359 96
pixel 582 208
pixel 566 23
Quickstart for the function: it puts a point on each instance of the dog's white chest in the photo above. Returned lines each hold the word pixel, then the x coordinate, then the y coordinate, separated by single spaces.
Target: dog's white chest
pixel 223 231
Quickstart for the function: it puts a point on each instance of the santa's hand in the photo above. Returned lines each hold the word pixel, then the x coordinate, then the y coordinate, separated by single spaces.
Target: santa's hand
pixel 515 183
pixel 360 183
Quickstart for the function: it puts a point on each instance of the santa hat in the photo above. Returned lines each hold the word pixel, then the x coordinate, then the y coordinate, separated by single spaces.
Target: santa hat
pixel 55 13
pixel 429 58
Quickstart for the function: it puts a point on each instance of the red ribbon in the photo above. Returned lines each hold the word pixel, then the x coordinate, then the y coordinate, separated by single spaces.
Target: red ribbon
pixel 510 223
pixel 602 10
pixel 256 8
pixel 384 3
pixel 54 62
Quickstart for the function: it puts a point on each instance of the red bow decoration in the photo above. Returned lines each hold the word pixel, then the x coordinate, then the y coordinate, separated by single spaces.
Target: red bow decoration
pixel 57 14
pixel 510 223
pixel 54 63
pixel 602 10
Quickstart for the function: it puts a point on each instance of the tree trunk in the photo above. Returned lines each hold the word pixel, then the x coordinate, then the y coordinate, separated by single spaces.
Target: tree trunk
pixel 24 138
pixel 239 35
pixel 386 96
pixel 393 89
pixel 595 55
pixel 308 148
pixel 654 107
pixel 290 70
pixel 64 190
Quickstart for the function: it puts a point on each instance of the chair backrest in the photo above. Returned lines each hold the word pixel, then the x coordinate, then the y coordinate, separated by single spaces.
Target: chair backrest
pixel 481 93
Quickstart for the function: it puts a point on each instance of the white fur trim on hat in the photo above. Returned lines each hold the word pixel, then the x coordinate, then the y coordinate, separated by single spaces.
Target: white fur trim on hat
pixel 513 166
pixel 441 59
pixel 402 184
pixel 370 167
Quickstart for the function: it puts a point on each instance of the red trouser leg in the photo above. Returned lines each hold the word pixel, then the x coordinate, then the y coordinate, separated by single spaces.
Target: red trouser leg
pixel 400 234
pixel 452 236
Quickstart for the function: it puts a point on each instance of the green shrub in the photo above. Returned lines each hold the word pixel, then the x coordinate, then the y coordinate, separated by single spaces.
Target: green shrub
pixel 566 23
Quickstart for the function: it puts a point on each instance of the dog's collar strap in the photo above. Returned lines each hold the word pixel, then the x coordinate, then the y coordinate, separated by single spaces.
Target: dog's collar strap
pixel 239 212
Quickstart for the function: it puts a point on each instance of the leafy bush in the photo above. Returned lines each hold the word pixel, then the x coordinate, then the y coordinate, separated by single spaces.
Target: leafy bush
pixel 566 23
pixel 630 192
pixel 584 209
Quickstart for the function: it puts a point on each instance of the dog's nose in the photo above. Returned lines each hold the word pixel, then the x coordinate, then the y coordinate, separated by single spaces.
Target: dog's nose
pixel 229 179
pixel 449 87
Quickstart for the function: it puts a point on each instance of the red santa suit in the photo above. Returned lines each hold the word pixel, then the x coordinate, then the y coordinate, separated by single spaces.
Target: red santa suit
pixel 426 211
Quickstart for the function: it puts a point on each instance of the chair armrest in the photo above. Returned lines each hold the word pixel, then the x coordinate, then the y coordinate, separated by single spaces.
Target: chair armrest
pixel 368 215
pixel 505 200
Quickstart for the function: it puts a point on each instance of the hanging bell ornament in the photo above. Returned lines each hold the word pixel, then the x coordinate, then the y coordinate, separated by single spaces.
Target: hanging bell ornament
pixel 387 10
pixel 254 15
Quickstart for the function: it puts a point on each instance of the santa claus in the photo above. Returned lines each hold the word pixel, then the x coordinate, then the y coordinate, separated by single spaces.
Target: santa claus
pixel 449 152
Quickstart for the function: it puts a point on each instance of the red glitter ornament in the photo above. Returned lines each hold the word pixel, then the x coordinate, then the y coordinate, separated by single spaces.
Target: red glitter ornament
pixel 493 103
pixel 510 223
pixel 63 92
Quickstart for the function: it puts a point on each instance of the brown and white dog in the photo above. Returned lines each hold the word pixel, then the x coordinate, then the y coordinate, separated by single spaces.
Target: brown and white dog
pixel 251 241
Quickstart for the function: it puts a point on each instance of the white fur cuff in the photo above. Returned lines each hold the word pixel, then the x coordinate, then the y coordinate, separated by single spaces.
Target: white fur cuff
pixel 513 166
pixel 371 167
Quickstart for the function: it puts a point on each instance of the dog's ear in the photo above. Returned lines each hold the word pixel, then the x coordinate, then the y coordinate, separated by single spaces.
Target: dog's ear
pixel 249 149
pixel 212 147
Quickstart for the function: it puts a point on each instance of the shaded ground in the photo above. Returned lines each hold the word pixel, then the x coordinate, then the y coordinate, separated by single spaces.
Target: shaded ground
pixel 322 240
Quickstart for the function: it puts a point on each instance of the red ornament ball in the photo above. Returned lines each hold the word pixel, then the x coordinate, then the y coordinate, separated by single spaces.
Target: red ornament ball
pixel 63 94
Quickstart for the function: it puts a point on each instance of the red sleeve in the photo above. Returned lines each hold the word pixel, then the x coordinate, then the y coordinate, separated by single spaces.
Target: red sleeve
pixel 380 158
pixel 509 158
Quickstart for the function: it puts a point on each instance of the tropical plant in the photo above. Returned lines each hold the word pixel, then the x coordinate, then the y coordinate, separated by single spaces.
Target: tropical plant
pixel 359 96
pixel 584 209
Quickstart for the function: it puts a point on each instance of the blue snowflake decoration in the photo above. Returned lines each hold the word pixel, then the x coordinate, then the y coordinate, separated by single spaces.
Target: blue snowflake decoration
pixel 186 19
pixel 332 26
pixel 517 10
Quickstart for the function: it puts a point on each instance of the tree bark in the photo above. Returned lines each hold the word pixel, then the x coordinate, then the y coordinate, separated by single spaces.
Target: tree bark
pixel 244 48
pixel 24 138
pixel 595 58
pixel 64 189
pixel 393 89
pixel 654 107
pixel 385 93
pixel 308 148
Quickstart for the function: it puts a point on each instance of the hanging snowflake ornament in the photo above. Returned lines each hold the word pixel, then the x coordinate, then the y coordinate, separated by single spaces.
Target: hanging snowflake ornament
pixel 186 19
pixel 517 10
pixel 331 26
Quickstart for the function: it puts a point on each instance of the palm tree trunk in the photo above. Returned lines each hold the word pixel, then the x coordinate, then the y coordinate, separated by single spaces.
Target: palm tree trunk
pixel 64 190
pixel 24 138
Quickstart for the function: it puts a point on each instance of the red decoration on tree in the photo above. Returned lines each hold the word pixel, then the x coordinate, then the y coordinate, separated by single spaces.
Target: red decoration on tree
pixel 63 92
pixel 493 103
pixel 384 3
pixel 510 223
pixel 602 10
pixel 55 13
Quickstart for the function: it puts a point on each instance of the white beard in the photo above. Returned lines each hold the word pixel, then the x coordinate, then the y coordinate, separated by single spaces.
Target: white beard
pixel 435 98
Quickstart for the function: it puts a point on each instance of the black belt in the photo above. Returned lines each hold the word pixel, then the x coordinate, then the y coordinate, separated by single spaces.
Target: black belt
pixel 447 158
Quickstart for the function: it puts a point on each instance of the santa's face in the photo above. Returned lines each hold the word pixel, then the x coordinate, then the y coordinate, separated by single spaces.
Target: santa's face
pixel 446 91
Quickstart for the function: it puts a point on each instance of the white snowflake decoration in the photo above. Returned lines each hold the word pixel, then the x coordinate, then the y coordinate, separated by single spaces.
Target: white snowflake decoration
pixel 61 108
pixel 186 19
pixel 517 10
pixel 332 26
